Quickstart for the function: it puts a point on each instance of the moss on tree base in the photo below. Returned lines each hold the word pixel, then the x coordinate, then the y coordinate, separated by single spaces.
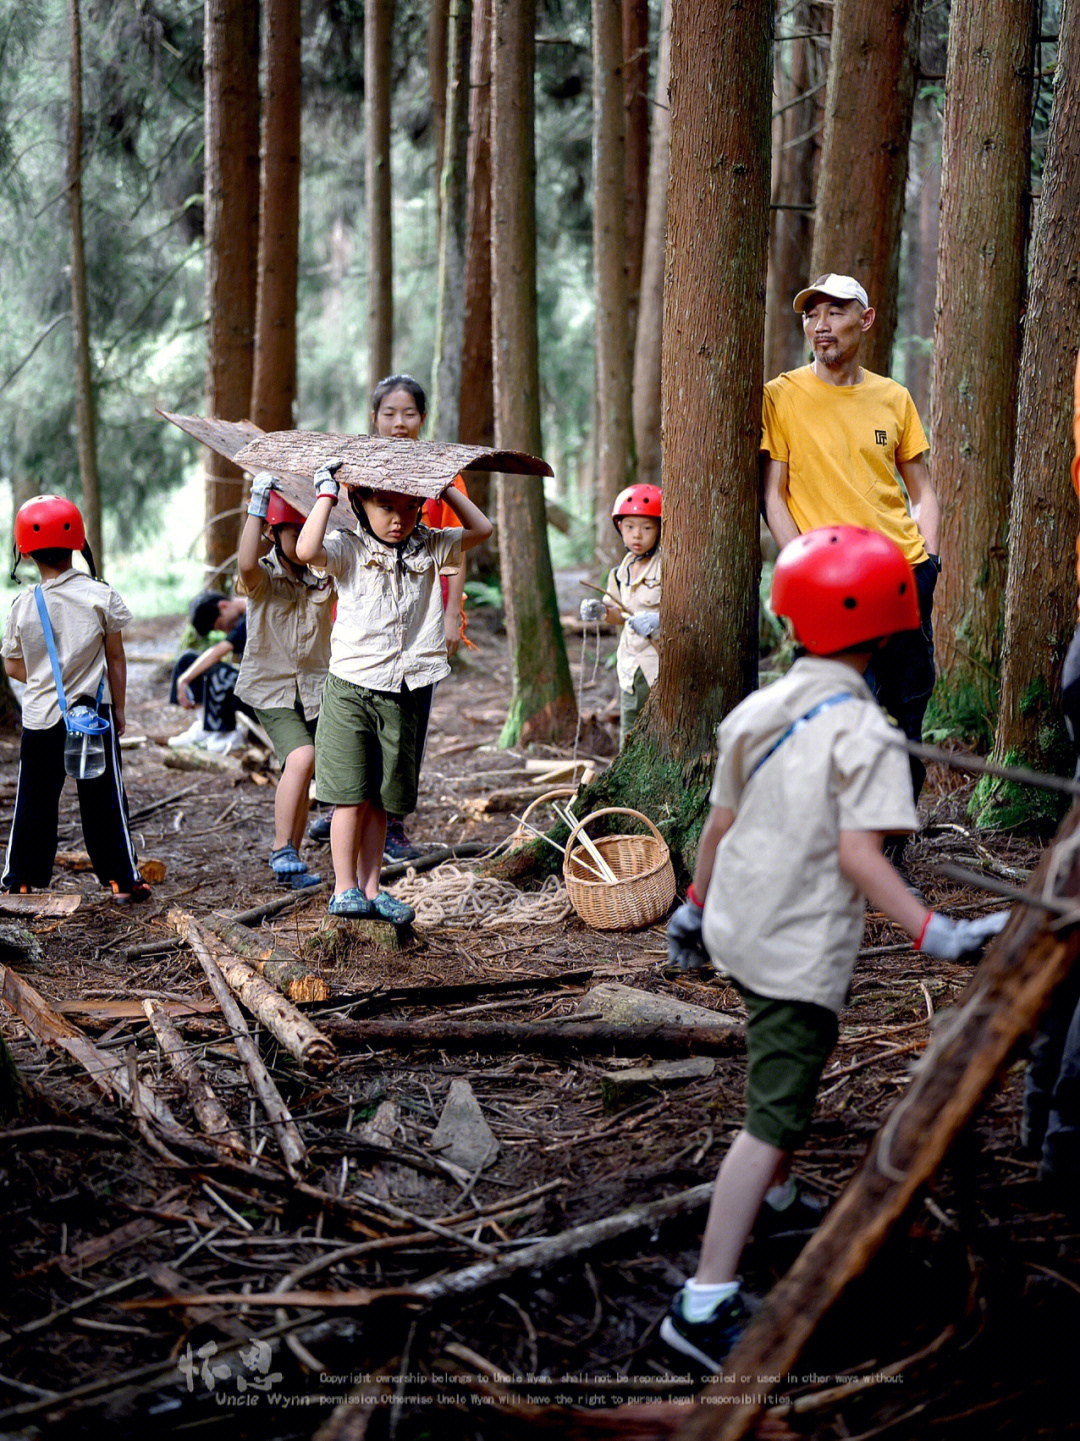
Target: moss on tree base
pixel 1000 805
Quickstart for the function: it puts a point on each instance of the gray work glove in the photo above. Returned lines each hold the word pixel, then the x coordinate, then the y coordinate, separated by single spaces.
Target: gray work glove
pixel 646 623
pixel 261 487
pixel 951 940
pixel 685 946
pixel 324 481
pixel 592 611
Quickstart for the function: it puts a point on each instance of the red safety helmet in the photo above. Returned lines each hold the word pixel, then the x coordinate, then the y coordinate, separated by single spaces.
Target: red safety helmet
pixel 841 586
pixel 636 500
pixel 48 522
pixel 280 512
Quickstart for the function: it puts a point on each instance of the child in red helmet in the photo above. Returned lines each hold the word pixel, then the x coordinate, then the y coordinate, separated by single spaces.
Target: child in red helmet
pixel 286 658
pixel 633 595
pixel 808 781
pixel 86 618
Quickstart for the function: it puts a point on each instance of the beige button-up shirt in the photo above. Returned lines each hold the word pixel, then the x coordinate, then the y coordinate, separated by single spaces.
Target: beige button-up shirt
pixel 83 612
pixel 389 630
pixel 780 916
pixel 287 652
pixel 636 588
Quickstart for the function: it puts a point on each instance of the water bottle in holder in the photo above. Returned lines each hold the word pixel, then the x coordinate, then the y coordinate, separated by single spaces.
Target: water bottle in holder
pixel 84 744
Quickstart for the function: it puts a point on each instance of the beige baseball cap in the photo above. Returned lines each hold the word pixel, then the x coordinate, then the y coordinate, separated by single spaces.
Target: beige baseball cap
pixel 836 287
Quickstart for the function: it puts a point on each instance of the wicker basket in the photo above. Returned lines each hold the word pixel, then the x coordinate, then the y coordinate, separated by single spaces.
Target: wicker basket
pixel 522 836
pixel 646 879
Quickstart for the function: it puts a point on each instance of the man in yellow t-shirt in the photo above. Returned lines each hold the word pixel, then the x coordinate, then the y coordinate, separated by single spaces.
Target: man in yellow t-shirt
pixel 836 441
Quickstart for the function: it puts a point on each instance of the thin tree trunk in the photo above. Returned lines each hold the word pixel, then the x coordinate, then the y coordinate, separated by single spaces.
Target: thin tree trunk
pixel 274 392
pixel 477 406
pixel 609 268
pixel 860 199
pixel 650 317
pixel 453 190
pixel 984 188
pixel 1040 594
pixel 232 233
pixel 635 46
pixel 718 232
pixel 377 59
pixel 85 408
pixel 438 49
pixel 543 706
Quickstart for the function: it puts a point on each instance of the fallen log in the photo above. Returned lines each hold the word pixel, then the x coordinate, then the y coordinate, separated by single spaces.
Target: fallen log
pixel 209 1112
pixel 539 1037
pixel 270 1008
pixel 1012 985
pixel 281 1122
pixel 264 955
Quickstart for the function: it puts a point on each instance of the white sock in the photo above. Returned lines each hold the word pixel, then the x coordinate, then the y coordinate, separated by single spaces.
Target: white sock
pixel 781 1197
pixel 700 1301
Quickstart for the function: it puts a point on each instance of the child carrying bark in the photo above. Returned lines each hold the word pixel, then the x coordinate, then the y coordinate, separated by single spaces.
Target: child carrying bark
pixel 387 649
pixel 65 640
pixel 808 781
pixel 285 661
pixel 633 595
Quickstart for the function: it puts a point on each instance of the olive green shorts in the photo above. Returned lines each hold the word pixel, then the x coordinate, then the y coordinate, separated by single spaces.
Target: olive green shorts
pixel 787 1045
pixel 368 745
pixel 287 729
pixel 631 704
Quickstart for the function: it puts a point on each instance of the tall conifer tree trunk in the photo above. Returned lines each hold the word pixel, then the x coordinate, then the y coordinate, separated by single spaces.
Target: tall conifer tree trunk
pixel 635 45
pixel 609 268
pixel 274 390
pixel 1040 593
pixel 85 408
pixel 976 357
pixel 718 227
pixel 377 58
pixel 232 235
pixel 438 51
pixel 450 300
pixel 543 706
pixel 650 317
pixel 860 201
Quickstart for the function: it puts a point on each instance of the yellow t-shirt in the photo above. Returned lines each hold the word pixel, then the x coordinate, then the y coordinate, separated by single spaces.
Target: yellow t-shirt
pixel 841 444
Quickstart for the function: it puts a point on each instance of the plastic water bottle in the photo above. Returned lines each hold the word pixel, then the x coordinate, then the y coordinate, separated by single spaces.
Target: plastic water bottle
pixel 84 744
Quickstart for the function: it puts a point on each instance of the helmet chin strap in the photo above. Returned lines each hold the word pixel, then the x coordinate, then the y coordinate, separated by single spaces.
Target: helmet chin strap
pixel 88 556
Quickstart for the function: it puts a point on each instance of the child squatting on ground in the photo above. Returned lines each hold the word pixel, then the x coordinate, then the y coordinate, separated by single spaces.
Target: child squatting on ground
pixel 808 781
pixel 212 673
pixel 633 591
pixel 82 625
pixel 387 649
pixel 285 661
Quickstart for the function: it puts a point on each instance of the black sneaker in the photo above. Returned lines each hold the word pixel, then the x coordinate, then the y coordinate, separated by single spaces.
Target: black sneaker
pixel 397 846
pixel 319 830
pixel 805 1214
pixel 706 1342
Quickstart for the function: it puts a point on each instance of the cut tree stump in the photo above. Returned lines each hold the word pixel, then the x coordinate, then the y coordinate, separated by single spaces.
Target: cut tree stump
pixel 972 1044
pixel 383 935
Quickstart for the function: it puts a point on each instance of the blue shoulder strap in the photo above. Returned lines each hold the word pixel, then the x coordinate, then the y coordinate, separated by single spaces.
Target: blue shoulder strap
pixel 54 659
pixel 798 724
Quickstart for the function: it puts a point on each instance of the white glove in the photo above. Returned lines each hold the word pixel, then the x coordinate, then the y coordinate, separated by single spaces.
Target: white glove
pixel 951 940
pixel 646 623
pixel 592 611
pixel 324 481
pixel 685 946
pixel 261 487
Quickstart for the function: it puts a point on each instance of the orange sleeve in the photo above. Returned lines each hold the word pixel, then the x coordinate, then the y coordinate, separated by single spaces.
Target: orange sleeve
pixel 437 514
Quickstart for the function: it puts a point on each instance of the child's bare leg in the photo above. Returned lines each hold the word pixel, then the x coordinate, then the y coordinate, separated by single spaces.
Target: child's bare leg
pixel 345 827
pixel 746 1173
pixel 291 797
pixel 370 853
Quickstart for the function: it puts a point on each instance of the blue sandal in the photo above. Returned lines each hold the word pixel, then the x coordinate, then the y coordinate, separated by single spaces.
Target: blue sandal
pixel 352 904
pixel 391 909
pixel 285 862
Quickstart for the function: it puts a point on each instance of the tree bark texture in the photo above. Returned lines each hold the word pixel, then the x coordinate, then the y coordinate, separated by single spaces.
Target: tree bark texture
pixel 453 190
pixel 438 50
pixel 860 200
pixel 648 341
pixel 717 244
pixel 543 706
pixel 232 233
pixel 922 224
pixel 635 45
pixel 377 59
pixel 274 389
pixel 476 424
pixel 609 269
pixel 976 359
pixel 85 408
pixel 1040 594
